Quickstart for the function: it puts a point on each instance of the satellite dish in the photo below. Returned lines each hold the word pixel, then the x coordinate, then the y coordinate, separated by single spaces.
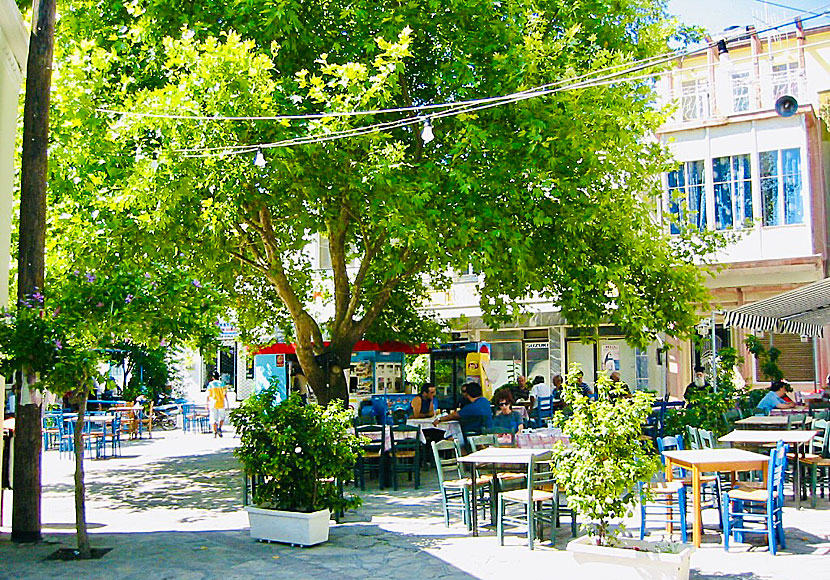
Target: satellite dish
pixel 786 106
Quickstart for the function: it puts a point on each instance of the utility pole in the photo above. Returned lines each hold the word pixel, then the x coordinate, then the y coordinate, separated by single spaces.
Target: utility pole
pixel 26 524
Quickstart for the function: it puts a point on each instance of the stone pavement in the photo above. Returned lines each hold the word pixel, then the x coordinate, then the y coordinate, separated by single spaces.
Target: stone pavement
pixel 170 509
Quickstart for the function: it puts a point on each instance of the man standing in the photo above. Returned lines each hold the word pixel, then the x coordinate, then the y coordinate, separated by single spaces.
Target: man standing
pixel 423 405
pixel 699 385
pixel 217 403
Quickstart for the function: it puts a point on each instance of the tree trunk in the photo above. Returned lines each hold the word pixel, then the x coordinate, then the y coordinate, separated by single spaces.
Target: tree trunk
pixel 30 261
pixel 84 549
pixel 27 459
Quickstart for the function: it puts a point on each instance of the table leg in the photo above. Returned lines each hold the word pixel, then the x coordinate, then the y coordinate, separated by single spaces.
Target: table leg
pixel 669 515
pixel 698 529
pixel 474 499
pixel 797 477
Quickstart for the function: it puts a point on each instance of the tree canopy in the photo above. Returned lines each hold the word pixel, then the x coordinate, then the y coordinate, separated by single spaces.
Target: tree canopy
pixel 548 196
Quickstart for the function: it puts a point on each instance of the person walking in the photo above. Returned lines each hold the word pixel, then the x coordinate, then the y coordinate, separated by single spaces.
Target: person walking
pixel 217 403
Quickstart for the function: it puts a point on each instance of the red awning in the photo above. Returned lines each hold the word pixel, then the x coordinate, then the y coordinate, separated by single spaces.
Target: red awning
pixel 360 346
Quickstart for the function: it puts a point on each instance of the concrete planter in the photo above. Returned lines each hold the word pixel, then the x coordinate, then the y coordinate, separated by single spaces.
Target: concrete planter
pixel 622 563
pixel 289 527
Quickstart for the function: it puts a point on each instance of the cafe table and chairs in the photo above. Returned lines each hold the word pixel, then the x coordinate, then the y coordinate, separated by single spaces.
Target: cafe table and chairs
pixel 796 439
pixel 699 461
pixel 494 459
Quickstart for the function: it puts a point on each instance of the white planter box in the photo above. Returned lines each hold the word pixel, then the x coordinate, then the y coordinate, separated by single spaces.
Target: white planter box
pixel 289 527
pixel 621 563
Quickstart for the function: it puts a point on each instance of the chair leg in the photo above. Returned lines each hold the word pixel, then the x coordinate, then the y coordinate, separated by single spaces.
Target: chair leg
pixel 531 524
pixel 726 522
pixel 642 518
pixel 771 531
pixel 500 521
pixel 681 500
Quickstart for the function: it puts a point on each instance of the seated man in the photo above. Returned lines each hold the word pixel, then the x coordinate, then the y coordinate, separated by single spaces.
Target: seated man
pixel 774 399
pixel 477 407
pixel 540 389
pixel 423 405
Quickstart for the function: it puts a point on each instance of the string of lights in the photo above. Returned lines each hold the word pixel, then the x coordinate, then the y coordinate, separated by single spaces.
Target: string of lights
pixel 423 113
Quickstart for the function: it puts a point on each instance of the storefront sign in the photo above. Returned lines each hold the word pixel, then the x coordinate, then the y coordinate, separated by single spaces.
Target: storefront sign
pixel 537 345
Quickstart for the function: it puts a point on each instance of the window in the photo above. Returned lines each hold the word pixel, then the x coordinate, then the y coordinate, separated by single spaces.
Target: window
pixel 694 100
pixel 781 187
pixel 641 367
pixel 786 80
pixel 687 194
pixel 323 255
pixel 740 92
pixel 732 180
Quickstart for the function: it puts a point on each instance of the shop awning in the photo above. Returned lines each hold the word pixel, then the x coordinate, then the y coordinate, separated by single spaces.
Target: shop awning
pixel 804 310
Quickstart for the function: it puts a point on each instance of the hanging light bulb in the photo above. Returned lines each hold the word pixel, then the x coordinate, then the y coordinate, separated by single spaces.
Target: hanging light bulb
pixel 259 160
pixel 724 58
pixel 426 134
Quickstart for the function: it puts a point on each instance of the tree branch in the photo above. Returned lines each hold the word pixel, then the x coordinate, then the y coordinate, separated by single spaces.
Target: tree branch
pixel 337 232
pixel 365 263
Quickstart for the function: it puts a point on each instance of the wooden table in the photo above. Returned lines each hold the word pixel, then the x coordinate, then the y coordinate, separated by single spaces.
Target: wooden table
pixel 493 456
pixel 711 460
pixel 795 438
pixel 763 422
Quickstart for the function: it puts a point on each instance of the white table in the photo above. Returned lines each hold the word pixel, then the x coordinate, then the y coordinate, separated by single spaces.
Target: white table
pixel 451 429
pixel 496 456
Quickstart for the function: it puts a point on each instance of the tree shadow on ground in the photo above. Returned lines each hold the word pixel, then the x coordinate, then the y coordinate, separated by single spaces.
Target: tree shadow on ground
pixel 354 551
pixel 211 481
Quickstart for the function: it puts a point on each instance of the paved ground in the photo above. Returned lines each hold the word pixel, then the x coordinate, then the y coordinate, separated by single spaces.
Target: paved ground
pixel 170 509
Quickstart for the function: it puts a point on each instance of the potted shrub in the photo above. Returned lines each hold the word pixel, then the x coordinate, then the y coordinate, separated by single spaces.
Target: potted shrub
pixel 599 472
pixel 296 453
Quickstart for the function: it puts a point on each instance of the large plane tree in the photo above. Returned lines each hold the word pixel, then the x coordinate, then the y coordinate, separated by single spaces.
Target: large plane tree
pixel 550 196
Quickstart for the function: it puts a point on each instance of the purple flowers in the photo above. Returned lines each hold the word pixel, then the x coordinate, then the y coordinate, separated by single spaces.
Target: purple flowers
pixel 147 275
pixel 76 272
pixel 197 283
pixel 90 278
pixel 100 304
pixel 38 296
pixel 58 344
pixel 128 299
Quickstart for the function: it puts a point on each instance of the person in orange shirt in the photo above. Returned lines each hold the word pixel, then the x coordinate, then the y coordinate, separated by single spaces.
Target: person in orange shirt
pixel 217 403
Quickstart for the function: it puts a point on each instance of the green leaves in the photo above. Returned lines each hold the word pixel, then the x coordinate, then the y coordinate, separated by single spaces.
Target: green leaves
pixel 296 451
pixel 606 458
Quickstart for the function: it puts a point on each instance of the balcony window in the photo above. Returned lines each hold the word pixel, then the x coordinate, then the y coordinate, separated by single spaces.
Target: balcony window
pixel 781 187
pixel 732 179
pixel 694 100
pixel 687 194
pixel 740 92
pixel 786 80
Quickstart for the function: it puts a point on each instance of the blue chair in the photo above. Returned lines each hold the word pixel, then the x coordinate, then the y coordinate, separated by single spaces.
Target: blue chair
pixel 372 456
pixel 543 410
pixel 752 510
pixel 667 504
pixel 51 430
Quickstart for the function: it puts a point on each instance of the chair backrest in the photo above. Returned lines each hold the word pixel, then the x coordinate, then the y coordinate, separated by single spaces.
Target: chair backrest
pixel 447 464
pixel 707 439
pixel 692 437
pixel 364 420
pixel 819 445
pixel 540 476
pixel 375 434
pixel 474 425
pixel 482 441
pixel 405 437
pixel 544 407
pixel 796 420
pixel 776 473
pixel 760 411
pixel 823 414
pixel 729 417
pixel 669 443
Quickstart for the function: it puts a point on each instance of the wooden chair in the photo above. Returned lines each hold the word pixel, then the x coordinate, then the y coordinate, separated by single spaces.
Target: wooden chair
pixel 818 458
pixel 405 453
pixel 539 502
pixel 766 505
pixel 455 488
pixel 372 456
pixel 146 420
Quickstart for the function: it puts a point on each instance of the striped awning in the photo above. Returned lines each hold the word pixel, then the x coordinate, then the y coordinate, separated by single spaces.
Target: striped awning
pixel 803 311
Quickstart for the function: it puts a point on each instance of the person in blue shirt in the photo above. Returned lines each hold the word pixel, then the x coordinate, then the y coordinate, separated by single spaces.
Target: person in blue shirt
pixel 774 399
pixel 477 406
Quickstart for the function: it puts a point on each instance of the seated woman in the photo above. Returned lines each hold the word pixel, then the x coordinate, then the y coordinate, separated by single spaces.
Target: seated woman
pixel 506 418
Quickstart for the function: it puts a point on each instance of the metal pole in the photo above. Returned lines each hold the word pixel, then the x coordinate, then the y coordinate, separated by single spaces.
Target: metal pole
pixel 714 356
